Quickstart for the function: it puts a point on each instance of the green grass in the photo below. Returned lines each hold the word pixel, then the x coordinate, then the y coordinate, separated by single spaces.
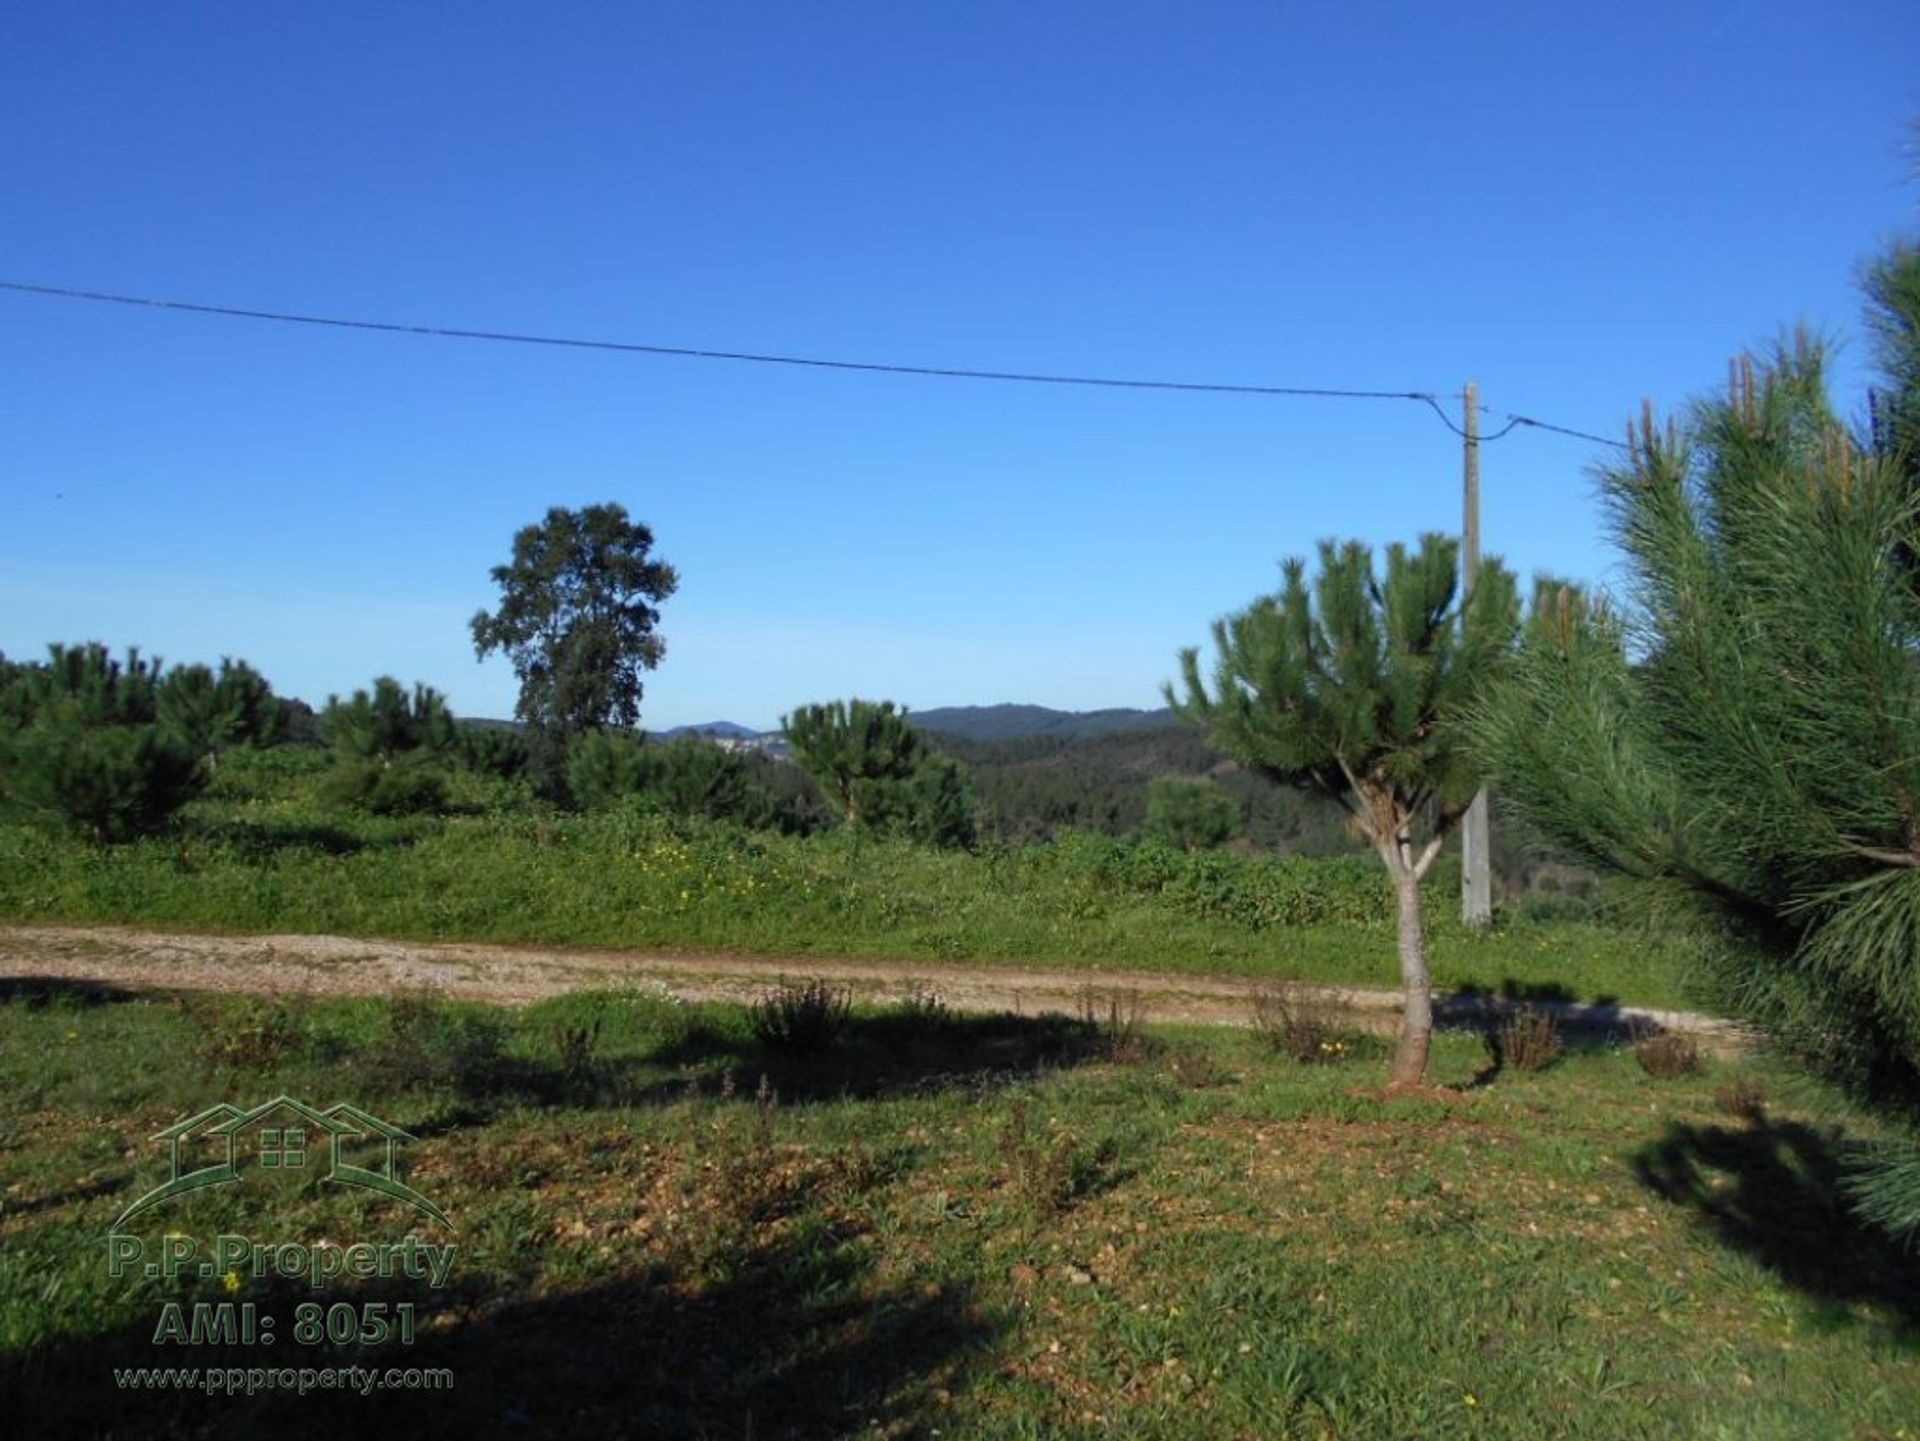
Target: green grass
pixel 990 1228
pixel 263 853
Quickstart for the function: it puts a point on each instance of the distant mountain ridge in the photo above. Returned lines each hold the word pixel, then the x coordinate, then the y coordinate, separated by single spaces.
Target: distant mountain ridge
pixel 715 728
pixel 1006 721
pixel 1012 722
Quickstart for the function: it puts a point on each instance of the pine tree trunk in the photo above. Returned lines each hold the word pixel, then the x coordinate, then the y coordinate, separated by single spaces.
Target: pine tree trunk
pixel 1416 1025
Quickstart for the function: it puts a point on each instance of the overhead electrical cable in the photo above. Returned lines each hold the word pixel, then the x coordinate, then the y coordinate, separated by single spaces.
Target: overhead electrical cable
pixel 446 332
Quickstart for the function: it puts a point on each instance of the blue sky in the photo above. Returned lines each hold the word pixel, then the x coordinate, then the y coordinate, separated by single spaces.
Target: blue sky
pixel 1576 206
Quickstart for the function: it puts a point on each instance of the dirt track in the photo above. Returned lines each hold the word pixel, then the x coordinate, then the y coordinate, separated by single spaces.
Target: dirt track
pixel 517 975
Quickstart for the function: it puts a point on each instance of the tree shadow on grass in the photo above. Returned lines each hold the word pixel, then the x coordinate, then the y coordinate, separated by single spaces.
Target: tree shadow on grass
pixel 885 1054
pixel 38 993
pixel 260 840
pixel 800 1341
pixel 1772 1191
pixel 874 1056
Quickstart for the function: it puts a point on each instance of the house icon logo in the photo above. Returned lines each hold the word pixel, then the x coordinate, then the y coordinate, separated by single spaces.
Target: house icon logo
pixel 281 1135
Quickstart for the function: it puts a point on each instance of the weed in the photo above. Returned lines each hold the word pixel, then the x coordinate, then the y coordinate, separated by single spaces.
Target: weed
pixel 1048 1175
pixel 1743 1096
pixel 576 1044
pixel 1666 1054
pixel 802 1018
pixel 1525 1038
pixel 1198 1069
pixel 1112 1021
pixel 922 1012
pixel 256 1035
pixel 428 1044
pixel 1298 1022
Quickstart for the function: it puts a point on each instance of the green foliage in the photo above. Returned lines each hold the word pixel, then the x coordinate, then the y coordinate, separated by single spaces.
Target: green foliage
pixel 266 850
pixel 1744 730
pixel 492 750
pixel 82 746
pixel 391 749
pixel 684 777
pixel 881 773
pixel 209 712
pixel 1031 788
pixel 387 723
pixel 860 753
pixel 1191 812
pixel 802 1017
pixel 414 784
pixel 576 617
pixel 938 803
pixel 1352 686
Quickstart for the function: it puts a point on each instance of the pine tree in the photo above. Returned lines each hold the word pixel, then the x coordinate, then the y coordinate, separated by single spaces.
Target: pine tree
pixel 1351 686
pixel 859 752
pixel 81 746
pixel 880 772
pixel 576 617
pixel 1191 812
pixel 1741 727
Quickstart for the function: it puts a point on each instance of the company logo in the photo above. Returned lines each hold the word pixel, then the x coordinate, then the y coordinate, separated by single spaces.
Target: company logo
pixel 283 1135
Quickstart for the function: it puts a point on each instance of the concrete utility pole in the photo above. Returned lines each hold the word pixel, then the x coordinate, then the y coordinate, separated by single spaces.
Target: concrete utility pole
pixel 1476 871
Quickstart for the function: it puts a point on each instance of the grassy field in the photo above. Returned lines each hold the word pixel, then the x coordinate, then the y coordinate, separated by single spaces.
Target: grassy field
pixel 263 853
pixel 670 1226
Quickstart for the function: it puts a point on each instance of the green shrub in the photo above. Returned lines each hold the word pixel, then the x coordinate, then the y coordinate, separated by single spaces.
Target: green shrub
pixel 386 723
pixel 256 1035
pixel 682 777
pixel 82 749
pixel 209 713
pixel 496 751
pixel 1190 813
pixel 803 1018
pixel 401 788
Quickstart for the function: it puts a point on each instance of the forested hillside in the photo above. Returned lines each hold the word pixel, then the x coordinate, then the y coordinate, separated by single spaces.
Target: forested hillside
pixel 1032 786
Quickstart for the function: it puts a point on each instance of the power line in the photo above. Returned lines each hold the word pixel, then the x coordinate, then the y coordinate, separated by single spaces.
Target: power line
pixel 1530 422
pixel 444 332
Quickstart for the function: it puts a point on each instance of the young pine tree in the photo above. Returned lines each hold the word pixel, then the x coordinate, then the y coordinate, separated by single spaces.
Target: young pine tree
pixel 1351 686
pixel 1741 728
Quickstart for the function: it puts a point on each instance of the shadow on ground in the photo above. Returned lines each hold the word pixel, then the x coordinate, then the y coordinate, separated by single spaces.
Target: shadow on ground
pixel 803 1341
pixel 875 1056
pixel 1772 1191
pixel 38 993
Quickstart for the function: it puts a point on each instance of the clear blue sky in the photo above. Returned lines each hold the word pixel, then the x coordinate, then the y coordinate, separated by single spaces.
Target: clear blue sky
pixel 1576 206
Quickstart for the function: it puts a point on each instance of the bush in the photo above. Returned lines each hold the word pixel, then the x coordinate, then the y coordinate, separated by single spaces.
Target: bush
pixel 81 747
pixel 386 723
pixel 938 804
pixel 429 1044
pixel 496 751
pixel 1112 1020
pixel 208 713
pixel 1297 1021
pixel 1743 1096
pixel 110 783
pixel 922 1013
pixel 256 1035
pixel 682 777
pixel 1190 813
pixel 403 788
pixel 1525 1038
pixel 802 1018
pixel 1667 1055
